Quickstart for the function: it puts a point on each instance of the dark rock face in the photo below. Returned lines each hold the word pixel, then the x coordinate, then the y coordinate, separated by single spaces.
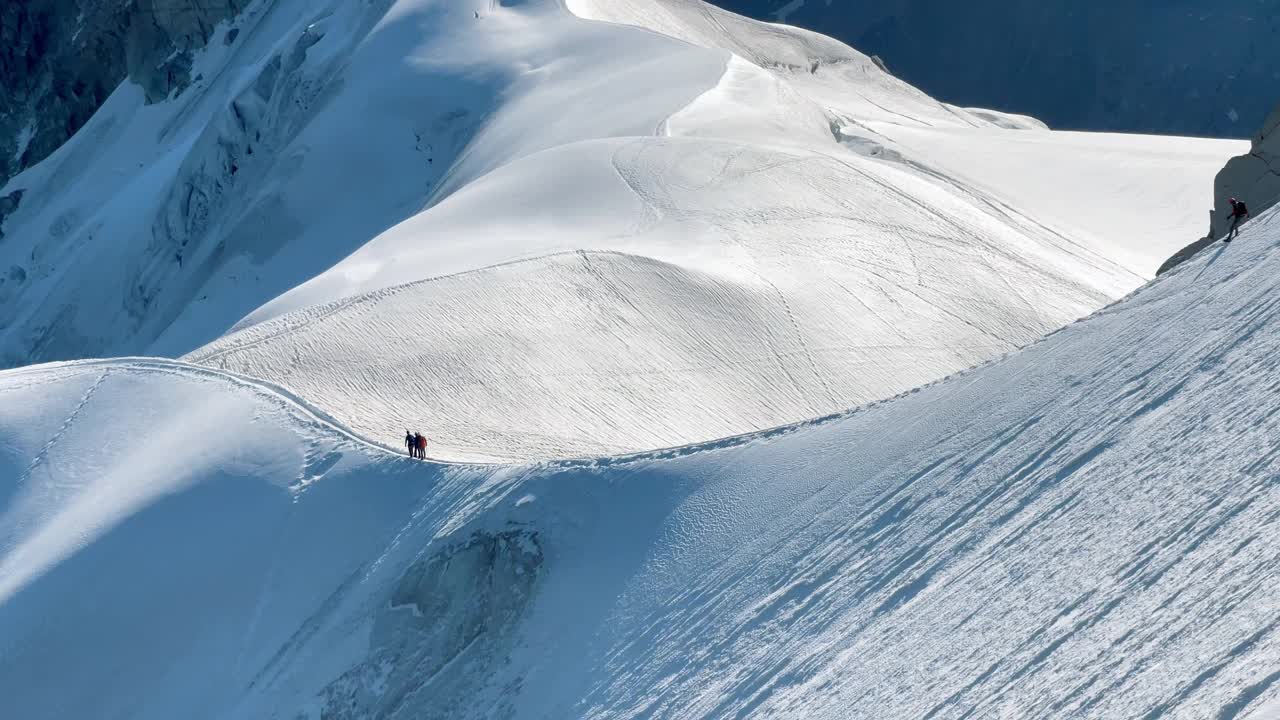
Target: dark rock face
pixel 1193 67
pixel 51 78
pixel 61 59
pixel 8 203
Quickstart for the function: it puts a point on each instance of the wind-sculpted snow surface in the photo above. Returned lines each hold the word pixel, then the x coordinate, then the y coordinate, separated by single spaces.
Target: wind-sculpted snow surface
pixel 170 523
pixel 310 129
pixel 788 258
pixel 1094 194
pixel 1098 66
pixel 1082 529
pixel 768 306
pixel 781 260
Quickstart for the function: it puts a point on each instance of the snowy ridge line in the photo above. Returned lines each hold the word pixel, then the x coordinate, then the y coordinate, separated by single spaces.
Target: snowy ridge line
pixel 445 187
pixel 328 421
pixel 325 419
pixel 156 364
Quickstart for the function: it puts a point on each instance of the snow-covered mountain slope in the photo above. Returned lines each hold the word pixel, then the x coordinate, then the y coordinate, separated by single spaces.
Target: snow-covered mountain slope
pixel 759 261
pixel 312 131
pixel 762 306
pixel 763 255
pixel 1134 198
pixel 1082 529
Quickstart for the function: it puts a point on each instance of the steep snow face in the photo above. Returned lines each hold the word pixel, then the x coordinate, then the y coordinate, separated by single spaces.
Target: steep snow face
pixel 1081 529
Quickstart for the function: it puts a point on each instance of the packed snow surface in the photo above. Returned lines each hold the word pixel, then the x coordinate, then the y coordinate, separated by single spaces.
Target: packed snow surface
pixel 539 229
pixel 1131 197
pixel 373 216
pixel 1082 529
pixel 764 251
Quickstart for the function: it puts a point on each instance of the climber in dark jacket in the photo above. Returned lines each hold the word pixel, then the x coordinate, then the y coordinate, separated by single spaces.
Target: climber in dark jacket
pixel 411 443
pixel 1239 213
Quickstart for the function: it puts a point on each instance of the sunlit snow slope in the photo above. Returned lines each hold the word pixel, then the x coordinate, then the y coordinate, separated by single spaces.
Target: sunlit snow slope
pixel 314 127
pixel 1085 528
pixel 1132 197
pixel 746 260
pixel 535 229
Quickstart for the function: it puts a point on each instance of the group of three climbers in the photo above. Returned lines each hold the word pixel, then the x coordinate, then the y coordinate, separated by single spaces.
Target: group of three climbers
pixel 417 444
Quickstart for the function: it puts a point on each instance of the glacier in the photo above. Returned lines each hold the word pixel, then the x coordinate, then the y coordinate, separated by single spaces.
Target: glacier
pixel 1081 528
pixel 758 384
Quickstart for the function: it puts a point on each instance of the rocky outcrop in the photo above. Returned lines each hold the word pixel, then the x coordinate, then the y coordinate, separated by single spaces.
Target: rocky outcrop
pixel 162 36
pixel 8 203
pixel 1185 254
pixel 1254 177
pixel 446 628
pixel 61 59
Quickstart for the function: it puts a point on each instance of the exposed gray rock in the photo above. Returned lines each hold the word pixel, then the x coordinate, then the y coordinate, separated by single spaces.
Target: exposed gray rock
pixel 162 36
pixel 1253 178
pixel 447 627
pixel 1185 254
pixel 61 59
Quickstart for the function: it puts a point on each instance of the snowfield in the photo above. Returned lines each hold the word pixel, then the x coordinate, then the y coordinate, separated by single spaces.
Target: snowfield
pixel 761 257
pixel 1115 211
pixel 717 225
pixel 1082 529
